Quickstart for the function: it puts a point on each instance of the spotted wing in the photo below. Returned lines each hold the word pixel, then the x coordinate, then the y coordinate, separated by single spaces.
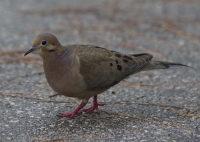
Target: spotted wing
pixel 103 68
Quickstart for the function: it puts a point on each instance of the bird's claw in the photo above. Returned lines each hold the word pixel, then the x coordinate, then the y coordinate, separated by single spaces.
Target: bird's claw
pixel 92 108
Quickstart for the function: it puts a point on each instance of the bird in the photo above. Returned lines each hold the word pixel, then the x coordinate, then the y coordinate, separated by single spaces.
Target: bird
pixel 84 71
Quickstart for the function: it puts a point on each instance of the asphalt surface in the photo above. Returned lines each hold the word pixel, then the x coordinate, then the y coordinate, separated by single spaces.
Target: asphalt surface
pixel 161 105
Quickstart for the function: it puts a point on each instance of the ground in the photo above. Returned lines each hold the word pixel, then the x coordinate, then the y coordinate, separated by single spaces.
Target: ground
pixel 161 105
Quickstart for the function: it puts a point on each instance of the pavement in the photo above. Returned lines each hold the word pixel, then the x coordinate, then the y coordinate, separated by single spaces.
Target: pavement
pixel 158 106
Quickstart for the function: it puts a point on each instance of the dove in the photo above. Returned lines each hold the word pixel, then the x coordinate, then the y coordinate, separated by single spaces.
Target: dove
pixel 84 71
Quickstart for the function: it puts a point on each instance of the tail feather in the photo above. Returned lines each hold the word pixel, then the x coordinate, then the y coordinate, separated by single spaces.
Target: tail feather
pixel 161 65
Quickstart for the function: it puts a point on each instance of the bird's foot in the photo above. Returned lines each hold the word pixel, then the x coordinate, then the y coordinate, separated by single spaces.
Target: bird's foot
pixel 71 114
pixel 68 114
pixel 92 108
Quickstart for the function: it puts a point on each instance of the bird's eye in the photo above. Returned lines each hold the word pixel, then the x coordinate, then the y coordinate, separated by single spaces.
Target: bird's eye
pixel 44 42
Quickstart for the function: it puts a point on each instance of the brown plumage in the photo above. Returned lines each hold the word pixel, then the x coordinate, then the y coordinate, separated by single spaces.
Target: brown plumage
pixel 84 71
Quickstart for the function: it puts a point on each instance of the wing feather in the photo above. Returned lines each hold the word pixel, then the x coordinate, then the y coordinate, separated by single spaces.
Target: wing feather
pixel 103 68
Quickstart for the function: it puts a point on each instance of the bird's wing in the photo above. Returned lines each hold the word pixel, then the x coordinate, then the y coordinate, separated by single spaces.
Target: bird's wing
pixel 103 68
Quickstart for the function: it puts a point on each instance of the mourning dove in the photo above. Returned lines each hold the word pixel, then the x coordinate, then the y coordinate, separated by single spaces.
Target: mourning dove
pixel 84 71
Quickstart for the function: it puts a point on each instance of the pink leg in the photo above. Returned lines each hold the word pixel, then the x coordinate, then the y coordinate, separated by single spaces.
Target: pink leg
pixel 95 105
pixel 71 114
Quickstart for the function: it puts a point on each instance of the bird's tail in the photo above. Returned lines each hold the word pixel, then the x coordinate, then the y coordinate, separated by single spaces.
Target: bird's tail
pixel 161 65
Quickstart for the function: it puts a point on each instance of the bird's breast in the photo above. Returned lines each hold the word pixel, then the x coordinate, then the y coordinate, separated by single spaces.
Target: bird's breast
pixel 65 80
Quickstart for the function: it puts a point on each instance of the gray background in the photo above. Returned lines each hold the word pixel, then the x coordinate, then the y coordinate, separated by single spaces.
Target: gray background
pixel 161 105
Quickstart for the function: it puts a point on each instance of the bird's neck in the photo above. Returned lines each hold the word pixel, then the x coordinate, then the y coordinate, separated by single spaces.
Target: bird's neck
pixel 59 60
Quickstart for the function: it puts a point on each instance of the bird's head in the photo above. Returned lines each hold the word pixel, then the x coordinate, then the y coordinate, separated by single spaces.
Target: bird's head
pixel 44 43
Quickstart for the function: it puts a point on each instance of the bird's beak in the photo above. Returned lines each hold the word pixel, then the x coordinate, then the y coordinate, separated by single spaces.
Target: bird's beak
pixel 31 50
